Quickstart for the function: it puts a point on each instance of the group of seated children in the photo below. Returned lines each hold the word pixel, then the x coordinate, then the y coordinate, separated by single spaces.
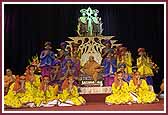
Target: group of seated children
pixel 31 90
pixel 134 91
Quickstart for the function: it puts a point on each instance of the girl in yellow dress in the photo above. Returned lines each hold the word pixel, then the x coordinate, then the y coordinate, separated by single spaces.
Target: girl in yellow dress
pixel 139 89
pixel 48 93
pixel 34 81
pixel 144 67
pixel 32 78
pixel 70 93
pixel 120 92
pixel 20 93
pixel 125 58
pixel 143 63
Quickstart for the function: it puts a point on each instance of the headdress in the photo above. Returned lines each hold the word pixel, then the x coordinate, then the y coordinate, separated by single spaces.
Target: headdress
pixel 134 68
pixel 122 49
pixel 47 44
pixel 141 49
pixel 122 64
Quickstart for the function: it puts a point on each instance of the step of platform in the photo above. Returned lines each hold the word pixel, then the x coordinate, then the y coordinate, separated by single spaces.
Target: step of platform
pixel 95 90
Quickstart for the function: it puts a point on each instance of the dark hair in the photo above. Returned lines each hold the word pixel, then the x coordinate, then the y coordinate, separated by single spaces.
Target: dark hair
pixel 118 72
pixel 47 43
pixel 134 68
pixel 120 65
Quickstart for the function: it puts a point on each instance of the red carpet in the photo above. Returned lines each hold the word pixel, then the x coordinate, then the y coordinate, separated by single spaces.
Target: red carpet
pixel 100 106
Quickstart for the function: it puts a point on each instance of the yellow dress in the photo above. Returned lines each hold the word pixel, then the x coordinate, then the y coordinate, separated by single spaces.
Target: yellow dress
pixel 37 94
pixel 127 60
pixel 35 85
pixel 144 95
pixel 45 97
pixel 36 82
pixel 16 100
pixel 39 98
pixel 73 96
pixel 51 93
pixel 143 67
pixel 119 96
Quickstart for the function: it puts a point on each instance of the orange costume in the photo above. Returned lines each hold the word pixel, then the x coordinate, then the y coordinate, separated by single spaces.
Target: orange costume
pixel 8 79
pixel 19 94
pixel 92 68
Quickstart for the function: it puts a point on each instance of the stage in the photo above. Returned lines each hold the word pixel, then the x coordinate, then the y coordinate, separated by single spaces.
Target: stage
pixel 85 49
pixel 101 106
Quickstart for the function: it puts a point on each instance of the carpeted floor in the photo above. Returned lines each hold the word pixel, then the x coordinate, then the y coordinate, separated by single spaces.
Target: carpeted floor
pixel 100 106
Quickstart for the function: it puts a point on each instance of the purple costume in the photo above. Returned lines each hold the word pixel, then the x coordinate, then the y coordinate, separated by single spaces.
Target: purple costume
pixel 106 50
pixel 76 66
pixel 71 71
pixel 47 57
pixel 109 70
pixel 56 73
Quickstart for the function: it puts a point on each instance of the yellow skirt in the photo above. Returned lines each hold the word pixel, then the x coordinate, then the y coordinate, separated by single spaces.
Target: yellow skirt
pixel 78 100
pixel 118 98
pixel 145 70
pixel 12 101
pixel 146 97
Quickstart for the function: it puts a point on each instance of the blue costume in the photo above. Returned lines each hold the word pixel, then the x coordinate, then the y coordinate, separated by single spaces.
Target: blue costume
pixel 69 72
pixel 126 77
pixel 46 59
pixel 149 80
pixel 109 66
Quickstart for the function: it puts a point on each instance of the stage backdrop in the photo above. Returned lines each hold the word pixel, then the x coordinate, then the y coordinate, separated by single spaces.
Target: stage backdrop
pixel 27 27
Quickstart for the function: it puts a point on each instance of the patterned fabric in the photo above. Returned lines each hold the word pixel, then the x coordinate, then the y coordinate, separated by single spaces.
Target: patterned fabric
pixel 119 95
pixel 144 67
pixel 16 100
pixel 109 66
pixel 72 96
pixel 144 94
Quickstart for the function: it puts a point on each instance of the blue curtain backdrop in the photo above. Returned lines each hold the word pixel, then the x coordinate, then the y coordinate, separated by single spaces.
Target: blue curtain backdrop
pixel 27 27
